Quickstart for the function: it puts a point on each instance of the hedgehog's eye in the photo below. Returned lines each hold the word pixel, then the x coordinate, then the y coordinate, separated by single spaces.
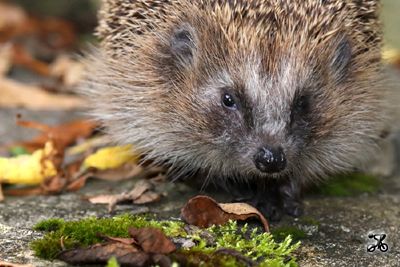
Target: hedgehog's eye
pixel 301 108
pixel 229 101
pixel 302 104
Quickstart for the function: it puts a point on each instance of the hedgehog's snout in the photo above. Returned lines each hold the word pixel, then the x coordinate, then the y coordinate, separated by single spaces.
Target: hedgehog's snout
pixel 270 159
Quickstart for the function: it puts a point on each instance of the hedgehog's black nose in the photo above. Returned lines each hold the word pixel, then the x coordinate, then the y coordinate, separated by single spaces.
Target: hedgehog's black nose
pixel 270 160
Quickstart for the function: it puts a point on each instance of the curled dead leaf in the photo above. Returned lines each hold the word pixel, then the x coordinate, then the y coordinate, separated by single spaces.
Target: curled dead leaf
pixel 152 240
pixel 8 264
pixel 1 193
pixel 100 253
pixel 140 194
pixel 62 135
pixel 16 94
pixel 67 70
pixel 204 211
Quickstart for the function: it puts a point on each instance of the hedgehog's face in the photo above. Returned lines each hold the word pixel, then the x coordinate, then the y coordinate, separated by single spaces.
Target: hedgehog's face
pixel 240 116
pixel 259 124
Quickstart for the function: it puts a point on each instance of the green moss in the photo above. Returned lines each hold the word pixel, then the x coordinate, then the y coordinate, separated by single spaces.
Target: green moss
pixel 85 232
pixel 281 233
pixel 349 185
pixel 309 221
pixel 205 259
pixel 18 150
pixel 50 245
pixel 49 225
pixel 258 246
pixel 112 262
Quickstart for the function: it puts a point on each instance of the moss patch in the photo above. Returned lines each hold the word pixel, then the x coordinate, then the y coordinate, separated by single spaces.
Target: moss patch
pixel 280 233
pixel 349 185
pixel 251 243
pixel 309 221
pixel 112 262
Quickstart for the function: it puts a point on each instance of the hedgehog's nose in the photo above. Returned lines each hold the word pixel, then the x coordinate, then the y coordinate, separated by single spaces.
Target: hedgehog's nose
pixel 270 160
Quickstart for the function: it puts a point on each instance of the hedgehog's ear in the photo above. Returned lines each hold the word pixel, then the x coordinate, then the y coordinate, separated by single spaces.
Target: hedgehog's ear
pixel 341 58
pixel 183 44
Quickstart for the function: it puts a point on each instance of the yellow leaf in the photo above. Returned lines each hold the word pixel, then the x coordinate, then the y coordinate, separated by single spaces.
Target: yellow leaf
pixel 111 157
pixel 390 55
pixel 28 169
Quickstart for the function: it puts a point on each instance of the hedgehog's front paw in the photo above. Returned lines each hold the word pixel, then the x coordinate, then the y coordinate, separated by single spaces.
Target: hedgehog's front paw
pixel 290 194
pixel 271 211
pixel 293 207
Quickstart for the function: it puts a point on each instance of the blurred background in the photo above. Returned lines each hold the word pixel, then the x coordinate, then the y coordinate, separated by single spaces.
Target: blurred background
pixel 82 14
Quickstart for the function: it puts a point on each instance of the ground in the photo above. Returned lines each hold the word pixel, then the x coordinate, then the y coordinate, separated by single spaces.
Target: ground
pixel 336 227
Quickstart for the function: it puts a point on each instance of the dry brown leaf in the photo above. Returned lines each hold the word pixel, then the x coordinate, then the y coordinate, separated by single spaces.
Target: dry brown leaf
pixel 102 199
pixel 78 183
pixel 1 193
pixel 22 57
pixel 67 70
pixel 30 191
pixel 148 197
pixel 124 172
pixel 101 253
pixel 127 241
pixel 11 17
pixel 5 58
pixel 140 194
pixel 8 264
pixel 152 240
pixel 203 211
pixel 62 135
pixel 15 94
pixel 15 22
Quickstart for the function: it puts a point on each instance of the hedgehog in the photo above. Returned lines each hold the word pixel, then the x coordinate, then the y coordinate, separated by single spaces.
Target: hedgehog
pixel 263 97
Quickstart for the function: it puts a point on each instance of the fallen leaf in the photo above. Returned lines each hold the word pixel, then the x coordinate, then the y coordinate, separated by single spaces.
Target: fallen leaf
pixel 8 264
pixel 111 157
pixel 102 199
pixel 100 253
pixel 140 194
pixel 203 211
pixel 67 70
pixel 121 173
pixel 62 135
pixel 88 144
pixel 1 193
pixel 12 17
pixel 391 56
pixel 152 240
pixel 30 191
pixel 147 197
pixel 78 183
pixel 140 188
pixel 127 241
pixel 124 172
pixel 54 185
pixel 29 169
pixel 22 57
pixel 15 95
pixel 5 58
